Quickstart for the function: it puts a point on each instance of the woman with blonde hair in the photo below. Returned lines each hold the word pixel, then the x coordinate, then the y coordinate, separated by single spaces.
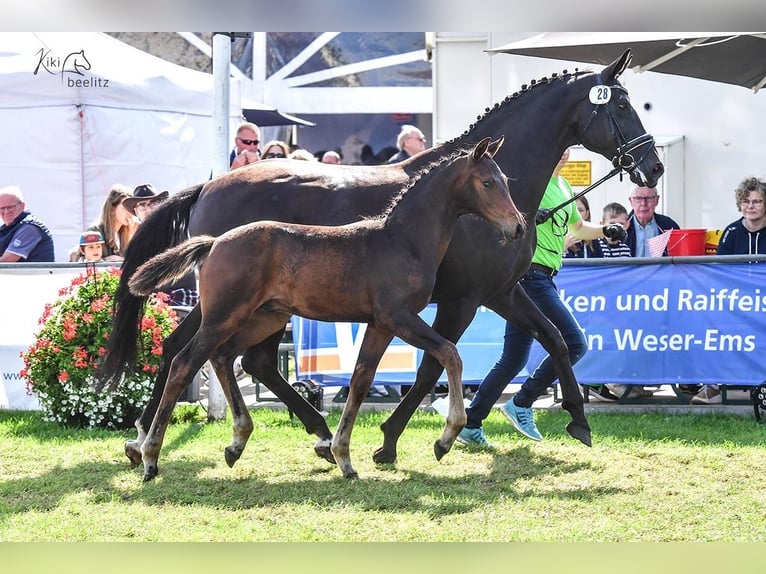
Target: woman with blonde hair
pixel 275 149
pixel 115 223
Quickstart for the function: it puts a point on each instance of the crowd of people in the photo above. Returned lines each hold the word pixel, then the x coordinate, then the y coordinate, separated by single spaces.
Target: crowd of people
pixel 619 233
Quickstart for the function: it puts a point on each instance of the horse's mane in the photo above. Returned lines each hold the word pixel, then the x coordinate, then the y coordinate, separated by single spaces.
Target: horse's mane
pixel 499 107
pixel 424 163
pixel 435 157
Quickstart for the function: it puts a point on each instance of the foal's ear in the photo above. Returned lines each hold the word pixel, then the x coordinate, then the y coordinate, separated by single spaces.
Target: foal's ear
pixel 613 70
pixel 495 145
pixel 481 149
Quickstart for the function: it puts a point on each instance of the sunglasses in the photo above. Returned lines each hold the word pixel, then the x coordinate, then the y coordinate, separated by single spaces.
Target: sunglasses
pixel 249 142
pixel 273 155
pixel 146 204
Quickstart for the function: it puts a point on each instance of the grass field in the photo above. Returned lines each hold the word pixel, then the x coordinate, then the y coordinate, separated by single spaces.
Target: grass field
pixel 648 477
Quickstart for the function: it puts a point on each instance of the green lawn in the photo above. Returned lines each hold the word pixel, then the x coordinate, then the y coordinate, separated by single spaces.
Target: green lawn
pixel 648 477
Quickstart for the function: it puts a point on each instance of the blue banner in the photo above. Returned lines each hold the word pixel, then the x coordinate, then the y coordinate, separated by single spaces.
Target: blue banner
pixel 645 324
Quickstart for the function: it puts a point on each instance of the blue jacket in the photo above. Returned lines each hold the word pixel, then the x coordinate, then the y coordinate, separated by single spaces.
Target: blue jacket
pixel 737 240
pixel 43 251
pixel 664 222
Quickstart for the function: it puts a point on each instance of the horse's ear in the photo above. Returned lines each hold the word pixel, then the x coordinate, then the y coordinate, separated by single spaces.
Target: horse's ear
pixel 481 149
pixel 495 145
pixel 613 70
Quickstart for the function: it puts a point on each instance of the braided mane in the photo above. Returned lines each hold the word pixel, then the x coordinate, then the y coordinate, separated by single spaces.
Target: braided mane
pixel 564 77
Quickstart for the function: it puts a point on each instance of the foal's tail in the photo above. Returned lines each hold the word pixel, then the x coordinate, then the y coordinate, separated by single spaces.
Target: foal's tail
pixel 169 266
pixel 166 226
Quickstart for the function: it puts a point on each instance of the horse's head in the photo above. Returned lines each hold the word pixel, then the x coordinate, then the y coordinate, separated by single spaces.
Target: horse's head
pixel 609 125
pixel 490 194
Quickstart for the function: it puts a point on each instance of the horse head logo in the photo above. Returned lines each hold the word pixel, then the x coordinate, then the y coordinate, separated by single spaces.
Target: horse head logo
pixel 74 63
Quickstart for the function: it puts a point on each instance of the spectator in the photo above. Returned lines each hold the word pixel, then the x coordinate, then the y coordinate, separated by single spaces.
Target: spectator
pixel 745 236
pixel 643 222
pixel 23 237
pixel 91 247
pixel 275 149
pixel 409 142
pixel 538 284
pixel 115 223
pixel 302 154
pixel 605 247
pixel 246 144
pixel 577 248
pixel 331 157
pixel 182 293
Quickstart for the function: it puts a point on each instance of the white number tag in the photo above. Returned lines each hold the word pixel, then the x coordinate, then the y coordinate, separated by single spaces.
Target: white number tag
pixel 600 94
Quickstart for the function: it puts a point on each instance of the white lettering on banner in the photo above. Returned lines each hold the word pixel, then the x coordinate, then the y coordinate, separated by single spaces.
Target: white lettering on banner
pixel 639 340
pixel 721 300
pixel 642 302
pixel 585 303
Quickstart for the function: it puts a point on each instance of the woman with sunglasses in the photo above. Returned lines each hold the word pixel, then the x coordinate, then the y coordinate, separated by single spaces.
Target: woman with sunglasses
pixel 275 149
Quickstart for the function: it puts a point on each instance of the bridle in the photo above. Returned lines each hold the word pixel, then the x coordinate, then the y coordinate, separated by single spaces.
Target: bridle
pixel 624 156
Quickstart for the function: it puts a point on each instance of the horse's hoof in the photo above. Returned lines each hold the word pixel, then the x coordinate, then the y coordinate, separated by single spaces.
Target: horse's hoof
pixel 384 456
pixel 231 455
pixel 323 451
pixel 581 432
pixel 351 475
pixel 133 453
pixel 440 450
pixel 150 472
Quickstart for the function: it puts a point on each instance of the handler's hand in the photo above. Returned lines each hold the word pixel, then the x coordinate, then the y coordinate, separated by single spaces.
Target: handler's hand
pixel 614 231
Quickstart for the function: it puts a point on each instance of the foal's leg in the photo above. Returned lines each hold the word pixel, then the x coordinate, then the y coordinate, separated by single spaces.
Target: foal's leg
pixel 519 310
pixel 182 370
pixel 242 425
pixel 374 344
pixel 413 330
pixel 451 321
pixel 261 361
pixel 170 346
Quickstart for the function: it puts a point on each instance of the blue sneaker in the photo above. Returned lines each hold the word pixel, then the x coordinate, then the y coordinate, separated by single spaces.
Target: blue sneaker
pixel 473 437
pixel 522 419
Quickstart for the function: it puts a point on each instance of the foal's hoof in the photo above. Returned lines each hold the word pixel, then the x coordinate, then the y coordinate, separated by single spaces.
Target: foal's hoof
pixel 322 450
pixel 384 456
pixel 440 450
pixel 231 455
pixel 150 472
pixel 580 431
pixel 133 452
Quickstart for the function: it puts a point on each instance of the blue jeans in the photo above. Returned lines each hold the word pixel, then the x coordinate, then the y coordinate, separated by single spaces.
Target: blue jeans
pixel 543 292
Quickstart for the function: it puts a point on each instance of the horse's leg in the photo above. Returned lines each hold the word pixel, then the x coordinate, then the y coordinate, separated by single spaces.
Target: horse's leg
pixel 413 330
pixel 182 370
pixel 451 321
pixel 222 361
pixel 261 361
pixel 374 344
pixel 519 310
pixel 170 346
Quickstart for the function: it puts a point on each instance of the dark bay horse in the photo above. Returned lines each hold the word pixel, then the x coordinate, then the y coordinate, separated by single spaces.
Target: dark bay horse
pixel 377 271
pixel 539 122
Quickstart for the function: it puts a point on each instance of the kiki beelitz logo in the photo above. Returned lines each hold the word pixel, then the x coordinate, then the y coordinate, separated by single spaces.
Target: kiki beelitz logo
pixel 70 68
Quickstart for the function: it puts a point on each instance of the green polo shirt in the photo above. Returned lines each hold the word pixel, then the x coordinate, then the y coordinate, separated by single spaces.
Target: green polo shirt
pixel 551 235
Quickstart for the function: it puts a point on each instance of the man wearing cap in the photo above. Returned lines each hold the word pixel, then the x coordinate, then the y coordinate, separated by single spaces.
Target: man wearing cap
pixel 182 293
pixel 23 237
pixel 91 247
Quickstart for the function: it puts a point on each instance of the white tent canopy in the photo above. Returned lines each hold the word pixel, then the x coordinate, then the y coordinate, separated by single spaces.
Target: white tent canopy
pixel 83 111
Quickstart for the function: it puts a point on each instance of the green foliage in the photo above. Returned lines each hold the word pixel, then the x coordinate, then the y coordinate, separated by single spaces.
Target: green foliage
pixel 60 364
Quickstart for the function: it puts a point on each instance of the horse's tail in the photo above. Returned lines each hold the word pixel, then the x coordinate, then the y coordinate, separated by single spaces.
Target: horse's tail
pixel 166 226
pixel 170 265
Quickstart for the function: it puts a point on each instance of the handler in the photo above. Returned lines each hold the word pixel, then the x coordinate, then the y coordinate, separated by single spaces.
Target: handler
pixel 539 286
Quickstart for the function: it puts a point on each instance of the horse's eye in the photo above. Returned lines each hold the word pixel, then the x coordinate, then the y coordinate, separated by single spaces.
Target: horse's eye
pixel 487 183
